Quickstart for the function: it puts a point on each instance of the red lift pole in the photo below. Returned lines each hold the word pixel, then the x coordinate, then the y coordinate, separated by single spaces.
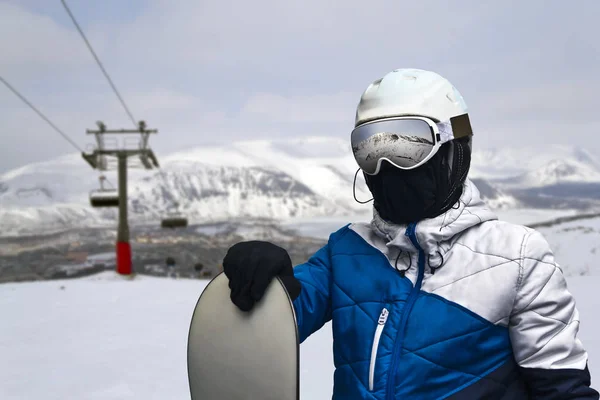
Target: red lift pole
pixel 98 160
pixel 123 246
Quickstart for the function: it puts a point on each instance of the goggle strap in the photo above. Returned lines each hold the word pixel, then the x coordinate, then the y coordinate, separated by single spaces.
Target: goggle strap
pixel 461 126
pixel 445 132
pixel 457 127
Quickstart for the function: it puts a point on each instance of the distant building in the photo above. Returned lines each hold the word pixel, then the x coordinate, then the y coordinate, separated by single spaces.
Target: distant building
pixel 143 239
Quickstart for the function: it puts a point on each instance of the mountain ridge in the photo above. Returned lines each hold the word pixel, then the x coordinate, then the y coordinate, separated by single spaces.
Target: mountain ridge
pixel 272 179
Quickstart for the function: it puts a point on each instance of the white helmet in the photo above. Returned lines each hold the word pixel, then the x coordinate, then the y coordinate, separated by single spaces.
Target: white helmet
pixel 410 92
pixel 405 118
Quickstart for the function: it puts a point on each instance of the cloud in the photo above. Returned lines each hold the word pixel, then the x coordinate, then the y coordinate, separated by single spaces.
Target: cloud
pixel 301 109
pixel 215 71
pixel 31 44
pixel 567 100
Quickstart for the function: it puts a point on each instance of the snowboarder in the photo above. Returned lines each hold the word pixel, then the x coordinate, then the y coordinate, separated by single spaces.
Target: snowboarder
pixel 435 298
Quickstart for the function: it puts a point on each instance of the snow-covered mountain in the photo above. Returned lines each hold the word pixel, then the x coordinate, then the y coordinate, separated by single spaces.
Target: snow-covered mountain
pixel 496 197
pixel 556 171
pixel 274 179
pixel 510 162
pixel 255 179
pixel 545 177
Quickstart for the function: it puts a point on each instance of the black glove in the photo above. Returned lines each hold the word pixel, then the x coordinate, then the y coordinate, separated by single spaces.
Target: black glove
pixel 250 267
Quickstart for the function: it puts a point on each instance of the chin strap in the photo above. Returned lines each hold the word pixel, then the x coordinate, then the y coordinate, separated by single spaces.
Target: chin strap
pixel 461 162
pixel 354 189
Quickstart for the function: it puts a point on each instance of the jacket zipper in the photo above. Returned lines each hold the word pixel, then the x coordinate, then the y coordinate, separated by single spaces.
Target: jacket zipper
pixel 410 302
pixel 380 325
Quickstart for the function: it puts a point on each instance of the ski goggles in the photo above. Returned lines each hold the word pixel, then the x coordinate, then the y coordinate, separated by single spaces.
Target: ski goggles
pixel 405 142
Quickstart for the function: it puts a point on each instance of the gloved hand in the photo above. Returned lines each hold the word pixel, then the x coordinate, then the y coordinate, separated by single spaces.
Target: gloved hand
pixel 250 267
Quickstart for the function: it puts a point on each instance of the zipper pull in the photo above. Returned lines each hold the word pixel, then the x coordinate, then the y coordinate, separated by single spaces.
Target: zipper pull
pixel 383 316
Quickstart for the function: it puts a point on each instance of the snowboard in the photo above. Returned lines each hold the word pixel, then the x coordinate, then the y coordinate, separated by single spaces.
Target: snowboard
pixel 234 354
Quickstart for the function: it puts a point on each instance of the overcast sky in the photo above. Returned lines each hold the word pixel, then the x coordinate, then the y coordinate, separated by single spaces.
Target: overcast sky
pixel 220 70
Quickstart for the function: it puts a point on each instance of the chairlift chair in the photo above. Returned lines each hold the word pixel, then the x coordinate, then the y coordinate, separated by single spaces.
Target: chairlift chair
pixel 104 198
pixel 174 220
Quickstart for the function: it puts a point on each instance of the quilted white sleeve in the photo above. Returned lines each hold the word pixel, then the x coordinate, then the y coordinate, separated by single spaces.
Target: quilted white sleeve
pixel 545 321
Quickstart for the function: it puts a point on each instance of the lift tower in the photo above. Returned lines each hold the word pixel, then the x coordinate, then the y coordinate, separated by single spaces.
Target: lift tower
pixel 121 151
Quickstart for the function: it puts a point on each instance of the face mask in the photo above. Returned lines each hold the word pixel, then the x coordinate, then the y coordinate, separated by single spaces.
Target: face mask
pixel 405 196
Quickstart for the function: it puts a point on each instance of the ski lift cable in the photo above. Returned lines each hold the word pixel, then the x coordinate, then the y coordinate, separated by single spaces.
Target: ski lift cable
pixel 38 112
pixel 109 182
pixel 63 134
pixel 89 46
pixel 103 177
pixel 113 86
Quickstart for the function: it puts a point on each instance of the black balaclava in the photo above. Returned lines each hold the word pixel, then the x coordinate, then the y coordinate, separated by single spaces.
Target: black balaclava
pixel 405 196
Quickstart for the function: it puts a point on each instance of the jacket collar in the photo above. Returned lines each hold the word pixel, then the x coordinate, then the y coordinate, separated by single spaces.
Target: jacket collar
pixel 468 212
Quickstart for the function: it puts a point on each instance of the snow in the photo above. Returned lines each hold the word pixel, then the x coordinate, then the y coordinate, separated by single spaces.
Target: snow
pixel 576 245
pixel 532 215
pixel 108 337
pixel 102 257
pixel 558 171
pixel 209 155
pixel 323 227
pixel 319 163
pixel 212 229
pixel 514 161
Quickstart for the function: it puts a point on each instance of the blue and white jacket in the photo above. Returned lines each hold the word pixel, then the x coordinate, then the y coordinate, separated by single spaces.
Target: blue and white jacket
pixel 482 310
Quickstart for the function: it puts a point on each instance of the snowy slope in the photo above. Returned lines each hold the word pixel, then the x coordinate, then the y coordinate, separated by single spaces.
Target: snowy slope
pixel 576 246
pixel 515 161
pixel 49 219
pixel 108 338
pixel 528 216
pixel 211 193
pixel 555 172
pixel 64 180
pixel 330 172
pixel 495 197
